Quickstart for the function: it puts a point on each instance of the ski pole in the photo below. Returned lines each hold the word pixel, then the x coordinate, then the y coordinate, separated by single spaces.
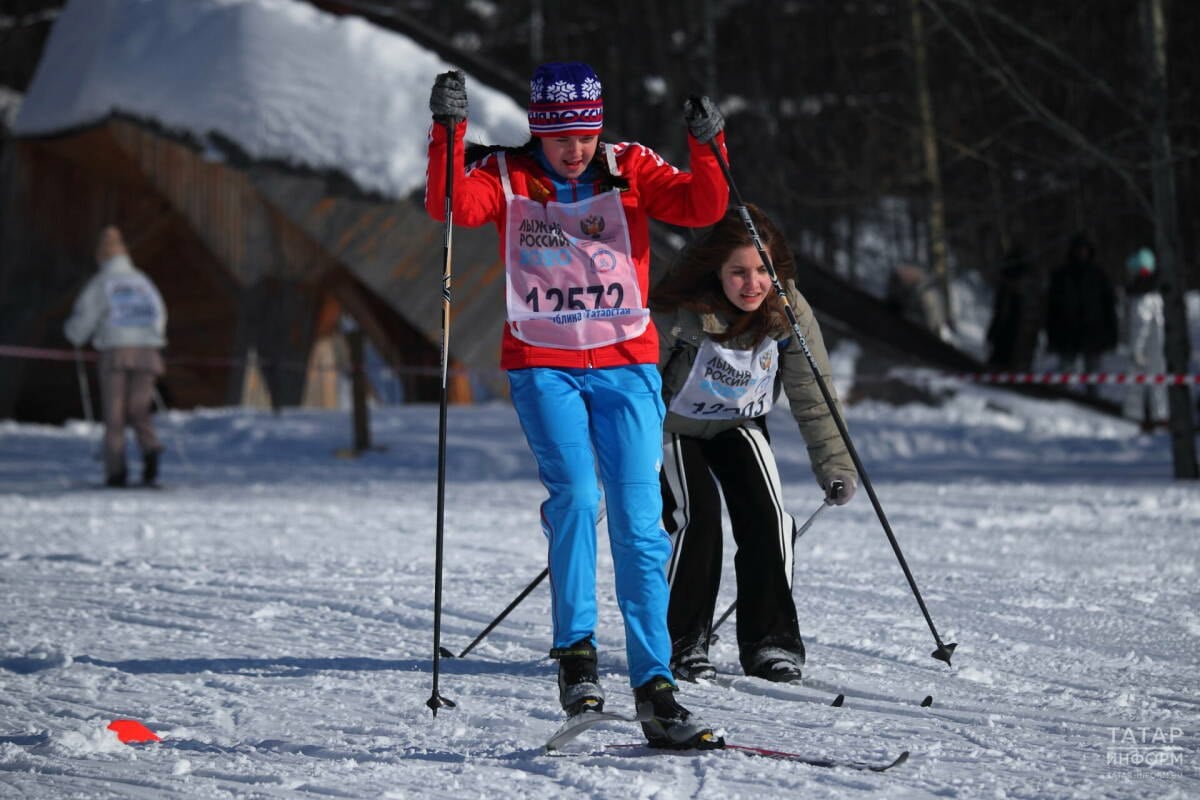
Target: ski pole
pixel 492 625
pixel 436 700
pixel 162 409
pixel 795 537
pixel 516 602
pixel 943 651
pixel 85 396
pixel 85 392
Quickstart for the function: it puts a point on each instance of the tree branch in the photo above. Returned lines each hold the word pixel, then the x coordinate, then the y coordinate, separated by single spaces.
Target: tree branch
pixel 1007 78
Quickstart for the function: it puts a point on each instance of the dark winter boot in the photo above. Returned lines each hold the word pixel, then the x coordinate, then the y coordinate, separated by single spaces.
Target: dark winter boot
pixel 668 724
pixel 690 663
pixel 150 467
pixel 578 682
pixel 775 664
pixel 116 480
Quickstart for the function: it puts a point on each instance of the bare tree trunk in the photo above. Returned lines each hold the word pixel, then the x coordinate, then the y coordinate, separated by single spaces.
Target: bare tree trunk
pixel 537 32
pixel 851 245
pixel 939 262
pixel 709 22
pixel 1001 215
pixel 1166 240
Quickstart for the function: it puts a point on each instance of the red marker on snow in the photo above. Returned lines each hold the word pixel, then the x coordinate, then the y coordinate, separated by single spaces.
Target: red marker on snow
pixel 130 731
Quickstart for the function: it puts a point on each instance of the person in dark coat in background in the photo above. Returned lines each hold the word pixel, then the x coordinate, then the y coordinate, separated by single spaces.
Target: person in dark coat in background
pixel 1016 314
pixel 1081 310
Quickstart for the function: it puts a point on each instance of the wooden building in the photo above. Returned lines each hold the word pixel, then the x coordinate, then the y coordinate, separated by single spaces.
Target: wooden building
pixel 252 259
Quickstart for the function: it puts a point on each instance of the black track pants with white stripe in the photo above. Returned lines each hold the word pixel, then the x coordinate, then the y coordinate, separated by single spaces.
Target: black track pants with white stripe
pixel 742 463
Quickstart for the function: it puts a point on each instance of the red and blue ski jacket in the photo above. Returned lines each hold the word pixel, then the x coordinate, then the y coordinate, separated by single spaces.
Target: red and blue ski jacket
pixel 657 190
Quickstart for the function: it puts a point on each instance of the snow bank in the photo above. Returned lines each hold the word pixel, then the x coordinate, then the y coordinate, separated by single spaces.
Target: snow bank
pixel 277 77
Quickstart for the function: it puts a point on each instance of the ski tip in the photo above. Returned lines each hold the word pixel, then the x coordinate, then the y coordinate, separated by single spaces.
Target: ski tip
pixel 445 653
pixel 927 702
pixel 130 731
pixel 838 701
pixel 900 759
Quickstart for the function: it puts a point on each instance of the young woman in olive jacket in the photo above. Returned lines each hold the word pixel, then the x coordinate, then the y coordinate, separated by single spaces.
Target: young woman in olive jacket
pixel 726 352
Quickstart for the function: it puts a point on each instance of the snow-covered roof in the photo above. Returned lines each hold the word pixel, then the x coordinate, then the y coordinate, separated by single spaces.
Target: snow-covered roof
pixel 279 78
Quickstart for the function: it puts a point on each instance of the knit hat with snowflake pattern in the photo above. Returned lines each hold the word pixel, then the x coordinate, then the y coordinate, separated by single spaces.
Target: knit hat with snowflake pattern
pixel 564 100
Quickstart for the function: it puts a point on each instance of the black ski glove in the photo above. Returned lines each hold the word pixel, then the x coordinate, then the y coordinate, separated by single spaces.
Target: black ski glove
pixel 703 119
pixel 840 489
pixel 448 100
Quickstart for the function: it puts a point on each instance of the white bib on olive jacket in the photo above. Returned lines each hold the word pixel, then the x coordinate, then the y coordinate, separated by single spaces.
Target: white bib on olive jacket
pixel 683 335
pixel 729 382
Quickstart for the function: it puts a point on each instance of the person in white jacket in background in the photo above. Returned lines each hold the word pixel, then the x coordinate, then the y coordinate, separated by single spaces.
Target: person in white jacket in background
pixel 1144 330
pixel 121 311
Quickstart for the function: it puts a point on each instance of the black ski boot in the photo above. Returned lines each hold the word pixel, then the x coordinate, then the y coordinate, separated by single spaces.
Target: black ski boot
pixel 691 664
pixel 668 724
pixel 578 683
pixel 775 664
pixel 150 467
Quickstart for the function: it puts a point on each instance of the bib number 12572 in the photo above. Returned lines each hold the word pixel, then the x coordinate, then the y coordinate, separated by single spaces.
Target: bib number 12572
pixel 575 297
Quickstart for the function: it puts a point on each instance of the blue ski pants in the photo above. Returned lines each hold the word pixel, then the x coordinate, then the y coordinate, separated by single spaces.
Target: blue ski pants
pixel 578 422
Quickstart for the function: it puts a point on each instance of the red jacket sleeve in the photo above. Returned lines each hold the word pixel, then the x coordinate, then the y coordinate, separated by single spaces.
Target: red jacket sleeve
pixel 690 199
pixel 478 195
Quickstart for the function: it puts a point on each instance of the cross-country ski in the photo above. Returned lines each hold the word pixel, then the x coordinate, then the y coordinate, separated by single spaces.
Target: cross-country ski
pixel 751 751
pixel 583 721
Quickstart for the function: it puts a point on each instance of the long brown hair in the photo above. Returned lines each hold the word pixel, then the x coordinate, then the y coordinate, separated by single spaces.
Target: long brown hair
pixel 695 281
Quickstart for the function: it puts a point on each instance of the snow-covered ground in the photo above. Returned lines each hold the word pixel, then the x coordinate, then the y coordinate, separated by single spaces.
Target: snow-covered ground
pixel 269 614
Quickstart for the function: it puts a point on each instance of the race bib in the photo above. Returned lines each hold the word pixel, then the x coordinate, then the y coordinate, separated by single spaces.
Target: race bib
pixel 131 302
pixel 729 384
pixel 570 275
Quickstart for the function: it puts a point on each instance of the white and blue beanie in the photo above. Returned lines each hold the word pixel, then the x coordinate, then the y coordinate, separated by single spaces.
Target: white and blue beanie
pixel 564 100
